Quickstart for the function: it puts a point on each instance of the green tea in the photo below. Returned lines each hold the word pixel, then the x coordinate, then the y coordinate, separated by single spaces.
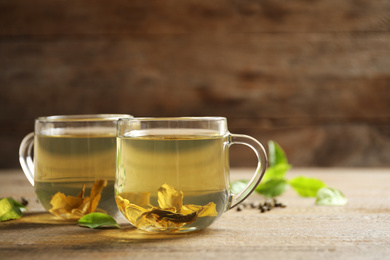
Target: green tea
pixel 193 164
pixel 66 163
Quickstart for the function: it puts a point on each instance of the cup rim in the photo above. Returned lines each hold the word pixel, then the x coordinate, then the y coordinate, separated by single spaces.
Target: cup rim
pixel 188 118
pixel 83 117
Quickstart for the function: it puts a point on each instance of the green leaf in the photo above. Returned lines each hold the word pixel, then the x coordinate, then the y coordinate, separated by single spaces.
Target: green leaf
pixel 10 209
pixel 237 186
pixel 306 187
pixel 276 172
pixel 19 205
pixel 96 219
pixel 273 182
pixel 273 187
pixel 276 154
pixel 330 197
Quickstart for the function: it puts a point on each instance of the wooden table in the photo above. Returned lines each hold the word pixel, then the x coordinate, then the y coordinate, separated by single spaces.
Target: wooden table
pixel 302 230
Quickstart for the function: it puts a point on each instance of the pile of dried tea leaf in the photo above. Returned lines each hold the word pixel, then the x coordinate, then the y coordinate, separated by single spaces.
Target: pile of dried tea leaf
pixel 170 213
pixel 264 206
pixel 74 207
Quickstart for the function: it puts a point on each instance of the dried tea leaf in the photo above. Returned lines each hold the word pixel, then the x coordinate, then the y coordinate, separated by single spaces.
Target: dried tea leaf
pixel 10 209
pixel 188 209
pixel 72 207
pixel 174 217
pixel 208 210
pixel 131 211
pixel 82 192
pixel 168 198
pixel 95 220
pixel 98 187
pixel 61 201
pixel 171 213
pixel 141 199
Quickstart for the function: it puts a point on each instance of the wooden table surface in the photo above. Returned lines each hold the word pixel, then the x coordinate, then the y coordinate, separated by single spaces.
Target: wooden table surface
pixel 302 230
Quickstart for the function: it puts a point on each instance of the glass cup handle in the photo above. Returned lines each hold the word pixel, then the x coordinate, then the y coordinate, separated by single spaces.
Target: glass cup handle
pixel 25 157
pixel 259 150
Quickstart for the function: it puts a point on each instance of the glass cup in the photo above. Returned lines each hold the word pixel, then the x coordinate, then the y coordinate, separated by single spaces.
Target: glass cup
pixel 70 160
pixel 173 173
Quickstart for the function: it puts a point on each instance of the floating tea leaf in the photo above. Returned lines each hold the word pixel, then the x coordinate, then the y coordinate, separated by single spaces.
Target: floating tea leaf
pixel 72 207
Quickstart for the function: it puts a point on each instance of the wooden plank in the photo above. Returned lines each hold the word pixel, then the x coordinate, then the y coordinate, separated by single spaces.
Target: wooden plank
pixel 280 70
pixel 316 76
pixel 358 230
pixel 85 17
pixel 342 145
pixel 286 88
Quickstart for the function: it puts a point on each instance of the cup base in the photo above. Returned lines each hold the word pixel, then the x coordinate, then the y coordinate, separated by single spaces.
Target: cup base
pixel 171 230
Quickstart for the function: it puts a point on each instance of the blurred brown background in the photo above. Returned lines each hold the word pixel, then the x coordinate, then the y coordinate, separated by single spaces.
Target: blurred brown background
pixel 312 75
